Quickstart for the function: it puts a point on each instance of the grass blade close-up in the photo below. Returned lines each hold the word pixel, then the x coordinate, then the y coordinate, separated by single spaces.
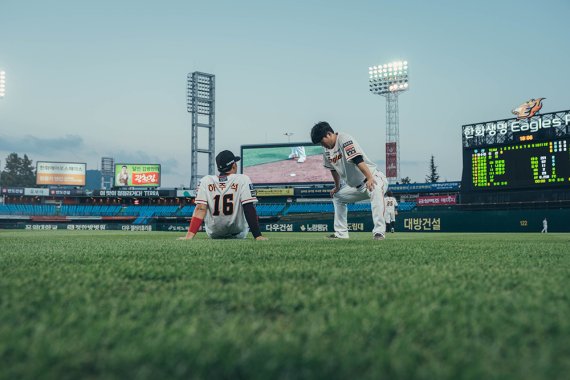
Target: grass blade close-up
pixel 120 305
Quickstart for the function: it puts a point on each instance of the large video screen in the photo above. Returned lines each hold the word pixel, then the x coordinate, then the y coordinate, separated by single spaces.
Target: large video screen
pixel 284 164
pixel 521 165
pixel 60 173
pixel 137 175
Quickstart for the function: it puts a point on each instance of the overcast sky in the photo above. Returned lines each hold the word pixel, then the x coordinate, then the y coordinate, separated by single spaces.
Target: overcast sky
pixel 87 79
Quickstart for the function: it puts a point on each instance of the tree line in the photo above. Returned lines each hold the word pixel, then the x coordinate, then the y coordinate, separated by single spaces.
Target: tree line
pixel 18 172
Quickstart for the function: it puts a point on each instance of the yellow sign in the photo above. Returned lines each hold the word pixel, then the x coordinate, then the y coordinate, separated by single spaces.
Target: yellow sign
pixel 275 192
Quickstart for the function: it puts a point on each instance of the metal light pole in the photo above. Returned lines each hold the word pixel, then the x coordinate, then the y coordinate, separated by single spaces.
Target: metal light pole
pixel 201 104
pixel 288 134
pixel 389 80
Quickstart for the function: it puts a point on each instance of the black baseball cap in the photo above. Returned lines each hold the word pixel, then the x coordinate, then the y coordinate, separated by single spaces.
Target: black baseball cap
pixel 225 159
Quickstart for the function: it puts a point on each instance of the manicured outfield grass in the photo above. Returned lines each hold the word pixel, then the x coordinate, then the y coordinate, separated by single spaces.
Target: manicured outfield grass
pixel 424 306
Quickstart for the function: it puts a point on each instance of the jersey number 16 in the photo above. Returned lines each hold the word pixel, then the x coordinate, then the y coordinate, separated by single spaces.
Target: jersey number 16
pixel 227 204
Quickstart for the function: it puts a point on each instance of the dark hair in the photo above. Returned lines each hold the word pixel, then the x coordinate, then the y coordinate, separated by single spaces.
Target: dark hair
pixel 320 130
pixel 389 193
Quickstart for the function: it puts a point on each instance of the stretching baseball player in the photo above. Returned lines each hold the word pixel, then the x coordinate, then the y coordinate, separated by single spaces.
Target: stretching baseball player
pixel 226 203
pixel 345 159
pixel 390 215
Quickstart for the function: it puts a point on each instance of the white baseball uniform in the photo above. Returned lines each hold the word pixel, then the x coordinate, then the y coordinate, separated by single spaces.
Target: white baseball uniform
pixel 339 158
pixel 298 152
pixel 544 226
pixel 391 205
pixel 224 196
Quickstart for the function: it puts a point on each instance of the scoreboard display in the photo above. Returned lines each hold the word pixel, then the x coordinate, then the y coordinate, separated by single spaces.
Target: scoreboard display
pixel 525 164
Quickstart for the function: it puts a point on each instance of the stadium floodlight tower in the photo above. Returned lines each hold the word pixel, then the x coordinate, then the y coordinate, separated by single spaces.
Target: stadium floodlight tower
pixel 201 104
pixel 2 84
pixel 389 80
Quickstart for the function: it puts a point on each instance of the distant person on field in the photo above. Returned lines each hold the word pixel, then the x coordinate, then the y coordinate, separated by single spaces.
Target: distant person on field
pixel 124 176
pixel 344 157
pixel 226 203
pixel 298 152
pixel 544 226
pixel 391 212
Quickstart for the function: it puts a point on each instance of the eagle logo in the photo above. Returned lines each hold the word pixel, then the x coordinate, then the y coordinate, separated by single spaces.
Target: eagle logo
pixel 528 109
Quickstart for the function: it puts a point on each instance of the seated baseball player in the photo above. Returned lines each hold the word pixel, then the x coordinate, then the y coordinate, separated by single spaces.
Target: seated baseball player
pixel 226 203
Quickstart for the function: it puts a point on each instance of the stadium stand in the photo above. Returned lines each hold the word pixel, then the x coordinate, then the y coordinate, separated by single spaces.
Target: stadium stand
pixel 186 211
pixel 27 209
pixel 150 210
pixel 406 206
pixel 88 210
pixel 302 208
pixel 271 209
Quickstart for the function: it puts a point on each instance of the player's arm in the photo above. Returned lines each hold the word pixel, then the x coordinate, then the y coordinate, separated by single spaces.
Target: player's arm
pixel 370 181
pixel 252 221
pixel 336 179
pixel 196 221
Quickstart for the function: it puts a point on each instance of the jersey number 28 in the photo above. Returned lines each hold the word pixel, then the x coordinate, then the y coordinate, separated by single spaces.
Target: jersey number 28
pixel 227 204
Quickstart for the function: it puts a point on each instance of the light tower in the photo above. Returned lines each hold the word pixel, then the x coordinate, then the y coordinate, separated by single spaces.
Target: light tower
pixel 201 104
pixel 288 134
pixel 389 80
pixel 2 84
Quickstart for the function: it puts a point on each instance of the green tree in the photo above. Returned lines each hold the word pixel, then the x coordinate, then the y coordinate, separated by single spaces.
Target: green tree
pixel 432 176
pixel 405 180
pixel 18 171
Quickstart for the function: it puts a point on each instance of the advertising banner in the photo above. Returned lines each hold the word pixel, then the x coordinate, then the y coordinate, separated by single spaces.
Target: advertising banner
pixel 425 187
pixel 35 192
pixel 437 200
pixel 275 192
pixel 137 175
pixel 313 193
pixel 12 191
pixel 134 193
pixel 65 192
pixel 391 160
pixel 60 173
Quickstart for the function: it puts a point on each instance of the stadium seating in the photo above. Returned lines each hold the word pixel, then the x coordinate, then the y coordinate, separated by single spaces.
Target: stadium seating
pixel 302 208
pixel 150 210
pixel 27 209
pixel 89 210
pixel 406 206
pixel 270 209
pixel 186 211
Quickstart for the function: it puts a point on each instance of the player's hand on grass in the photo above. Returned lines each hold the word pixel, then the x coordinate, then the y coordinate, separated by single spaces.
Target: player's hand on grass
pixel 261 238
pixel 186 237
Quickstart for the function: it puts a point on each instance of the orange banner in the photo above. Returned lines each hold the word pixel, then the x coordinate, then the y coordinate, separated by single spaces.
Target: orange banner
pixel 61 179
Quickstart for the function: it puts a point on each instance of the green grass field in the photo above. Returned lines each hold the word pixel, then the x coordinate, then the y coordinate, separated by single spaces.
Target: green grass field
pixel 132 305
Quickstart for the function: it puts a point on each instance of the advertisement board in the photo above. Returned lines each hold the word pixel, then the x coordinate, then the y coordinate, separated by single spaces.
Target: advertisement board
pixel 437 200
pixel 286 192
pixel 60 173
pixel 35 192
pixel 137 175
pixel 391 160
pixel 280 164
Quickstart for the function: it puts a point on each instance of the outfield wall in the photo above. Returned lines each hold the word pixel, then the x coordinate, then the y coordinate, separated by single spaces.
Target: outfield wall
pixel 420 220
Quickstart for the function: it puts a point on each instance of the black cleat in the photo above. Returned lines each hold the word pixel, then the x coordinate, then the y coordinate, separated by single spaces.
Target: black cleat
pixel 378 237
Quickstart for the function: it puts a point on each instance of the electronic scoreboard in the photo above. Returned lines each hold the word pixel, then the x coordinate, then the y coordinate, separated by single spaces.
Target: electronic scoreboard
pixel 515 154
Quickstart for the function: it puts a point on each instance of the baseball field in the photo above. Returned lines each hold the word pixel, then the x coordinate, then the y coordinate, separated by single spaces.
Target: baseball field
pixel 117 305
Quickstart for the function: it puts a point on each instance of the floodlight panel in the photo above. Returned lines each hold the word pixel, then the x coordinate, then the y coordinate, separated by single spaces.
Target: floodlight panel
pixel 388 77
